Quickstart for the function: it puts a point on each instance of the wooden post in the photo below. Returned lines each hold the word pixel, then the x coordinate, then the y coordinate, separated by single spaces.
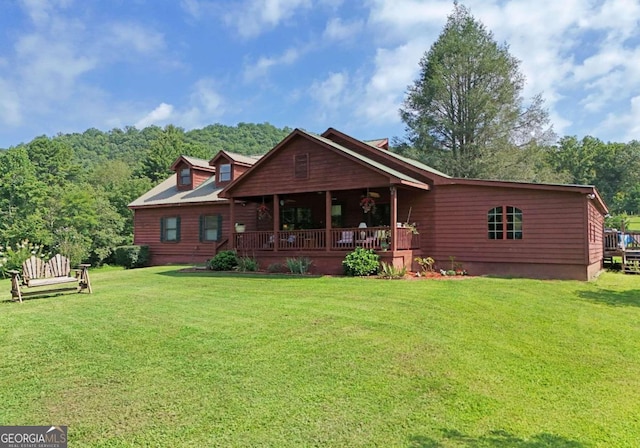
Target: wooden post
pixel 232 222
pixel 394 218
pixel 327 218
pixel 276 222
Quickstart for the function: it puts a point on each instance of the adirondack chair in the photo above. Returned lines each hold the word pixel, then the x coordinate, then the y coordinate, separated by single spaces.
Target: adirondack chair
pixel 54 273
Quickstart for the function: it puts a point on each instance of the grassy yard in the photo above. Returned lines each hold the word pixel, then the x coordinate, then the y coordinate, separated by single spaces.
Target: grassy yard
pixel 634 224
pixel 160 358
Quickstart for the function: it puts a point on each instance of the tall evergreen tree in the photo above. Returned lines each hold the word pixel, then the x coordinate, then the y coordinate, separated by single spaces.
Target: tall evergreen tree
pixel 466 105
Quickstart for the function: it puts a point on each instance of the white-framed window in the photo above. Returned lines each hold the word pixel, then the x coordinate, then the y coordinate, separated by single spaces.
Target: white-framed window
pixel 225 172
pixel 170 229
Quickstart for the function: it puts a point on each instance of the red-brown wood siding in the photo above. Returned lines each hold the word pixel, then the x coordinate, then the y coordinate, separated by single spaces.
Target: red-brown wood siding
pixel 189 249
pixel 199 176
pixel 554 226
pixel 418 207
pixel 596 233
pixel 327 171
pixel 380 157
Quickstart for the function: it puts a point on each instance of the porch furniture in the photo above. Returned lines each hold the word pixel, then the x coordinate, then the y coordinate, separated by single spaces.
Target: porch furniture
pixel 49 275
pixel 346 238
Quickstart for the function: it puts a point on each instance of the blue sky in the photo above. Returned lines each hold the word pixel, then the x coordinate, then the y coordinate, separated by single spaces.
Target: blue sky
pixel 69 65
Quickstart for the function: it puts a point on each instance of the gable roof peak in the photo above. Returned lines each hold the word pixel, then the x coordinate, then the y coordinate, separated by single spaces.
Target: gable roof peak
pixel 193 162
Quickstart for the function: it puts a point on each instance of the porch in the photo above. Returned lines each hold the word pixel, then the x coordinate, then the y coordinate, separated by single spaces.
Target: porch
pixel 325 240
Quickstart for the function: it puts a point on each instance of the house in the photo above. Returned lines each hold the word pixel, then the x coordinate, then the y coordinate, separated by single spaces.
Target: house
pixel 321 196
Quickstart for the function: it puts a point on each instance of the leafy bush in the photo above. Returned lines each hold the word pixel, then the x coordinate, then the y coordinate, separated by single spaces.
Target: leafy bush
pixel 299 265
pixel 361 262
pixel 247 264
pixel 132 256
pixel 426 263
pixel 389 271
pixel 12 257
pixel 226 260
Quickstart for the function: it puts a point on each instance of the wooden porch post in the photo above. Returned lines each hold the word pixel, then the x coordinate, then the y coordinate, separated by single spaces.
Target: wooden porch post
pixel 276 222
pixel 327 220
pixel 394 217
pixel 232 222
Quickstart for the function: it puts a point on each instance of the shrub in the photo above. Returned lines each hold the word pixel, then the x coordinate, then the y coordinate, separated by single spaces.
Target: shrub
pixel 361 262
pixel 226 260
pixel 12 257
pixel 247 264
pixel 390 271
pixel 132 256
pixel 426 263
pixel 299 265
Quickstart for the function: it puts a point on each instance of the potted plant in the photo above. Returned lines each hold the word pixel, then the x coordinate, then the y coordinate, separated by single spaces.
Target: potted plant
pixel 240 227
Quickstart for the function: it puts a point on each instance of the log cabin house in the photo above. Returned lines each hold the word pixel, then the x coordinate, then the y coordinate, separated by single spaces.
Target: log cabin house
pixel 321 196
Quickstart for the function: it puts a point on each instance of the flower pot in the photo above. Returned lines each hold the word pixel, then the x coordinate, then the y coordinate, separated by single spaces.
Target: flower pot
pixel 240 228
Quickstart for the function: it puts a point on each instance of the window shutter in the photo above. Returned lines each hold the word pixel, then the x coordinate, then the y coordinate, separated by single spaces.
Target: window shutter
pixel 202 230
pixel 177 229
pixel 162 236
pixel 219 227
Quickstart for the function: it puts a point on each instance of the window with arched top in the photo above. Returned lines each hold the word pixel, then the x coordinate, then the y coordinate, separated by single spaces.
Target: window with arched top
pixel 504 223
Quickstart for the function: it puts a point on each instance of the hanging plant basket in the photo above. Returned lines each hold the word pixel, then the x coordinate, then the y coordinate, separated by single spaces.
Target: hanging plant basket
pixel 367 204
pixel 263 212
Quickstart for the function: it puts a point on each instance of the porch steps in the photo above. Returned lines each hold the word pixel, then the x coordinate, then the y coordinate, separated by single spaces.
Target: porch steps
pixel 631 262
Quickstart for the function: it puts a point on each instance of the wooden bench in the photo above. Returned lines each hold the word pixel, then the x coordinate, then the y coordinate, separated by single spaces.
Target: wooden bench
pixel 54 273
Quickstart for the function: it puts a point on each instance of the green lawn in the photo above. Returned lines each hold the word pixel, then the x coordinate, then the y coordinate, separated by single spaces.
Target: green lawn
pixel 160 358
pixel 634 223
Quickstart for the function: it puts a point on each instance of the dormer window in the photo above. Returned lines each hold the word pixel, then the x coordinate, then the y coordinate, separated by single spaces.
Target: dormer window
pixel 225 172
pixel 185 176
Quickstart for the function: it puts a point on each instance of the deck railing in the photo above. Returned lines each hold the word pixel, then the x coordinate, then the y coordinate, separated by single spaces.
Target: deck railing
pixel 614 240
pixel 344 239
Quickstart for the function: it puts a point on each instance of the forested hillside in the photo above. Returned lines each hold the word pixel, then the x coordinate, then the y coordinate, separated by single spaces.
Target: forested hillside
pixel 70 192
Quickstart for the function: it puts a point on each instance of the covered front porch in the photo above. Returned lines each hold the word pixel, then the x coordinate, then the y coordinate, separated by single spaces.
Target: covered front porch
pixel 325 221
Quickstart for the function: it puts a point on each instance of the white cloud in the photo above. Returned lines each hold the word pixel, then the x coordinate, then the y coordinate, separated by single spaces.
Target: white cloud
pixel 329 92
pixel 203 105
pixel 10 109
pixel 142 40
pixel 265 64
pixel 337 29
pixel 628 119
pixel 158 116
pixel 254 17
pixel 394 70
pixel 41 11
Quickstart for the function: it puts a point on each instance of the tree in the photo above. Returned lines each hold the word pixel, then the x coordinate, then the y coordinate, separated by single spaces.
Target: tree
pixel 612 167
pixel 466 107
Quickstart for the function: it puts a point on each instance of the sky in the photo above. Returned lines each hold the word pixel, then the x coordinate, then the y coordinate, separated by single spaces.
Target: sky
pixel 70 65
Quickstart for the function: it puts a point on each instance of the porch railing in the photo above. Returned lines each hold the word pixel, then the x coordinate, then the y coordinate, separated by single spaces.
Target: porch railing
pixel 344 239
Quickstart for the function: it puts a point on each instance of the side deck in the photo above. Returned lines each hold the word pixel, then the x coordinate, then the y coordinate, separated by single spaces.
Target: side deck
pixel 625 246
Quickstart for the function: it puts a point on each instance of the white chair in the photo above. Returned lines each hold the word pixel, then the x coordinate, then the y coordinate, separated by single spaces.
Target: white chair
pixel 346 237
